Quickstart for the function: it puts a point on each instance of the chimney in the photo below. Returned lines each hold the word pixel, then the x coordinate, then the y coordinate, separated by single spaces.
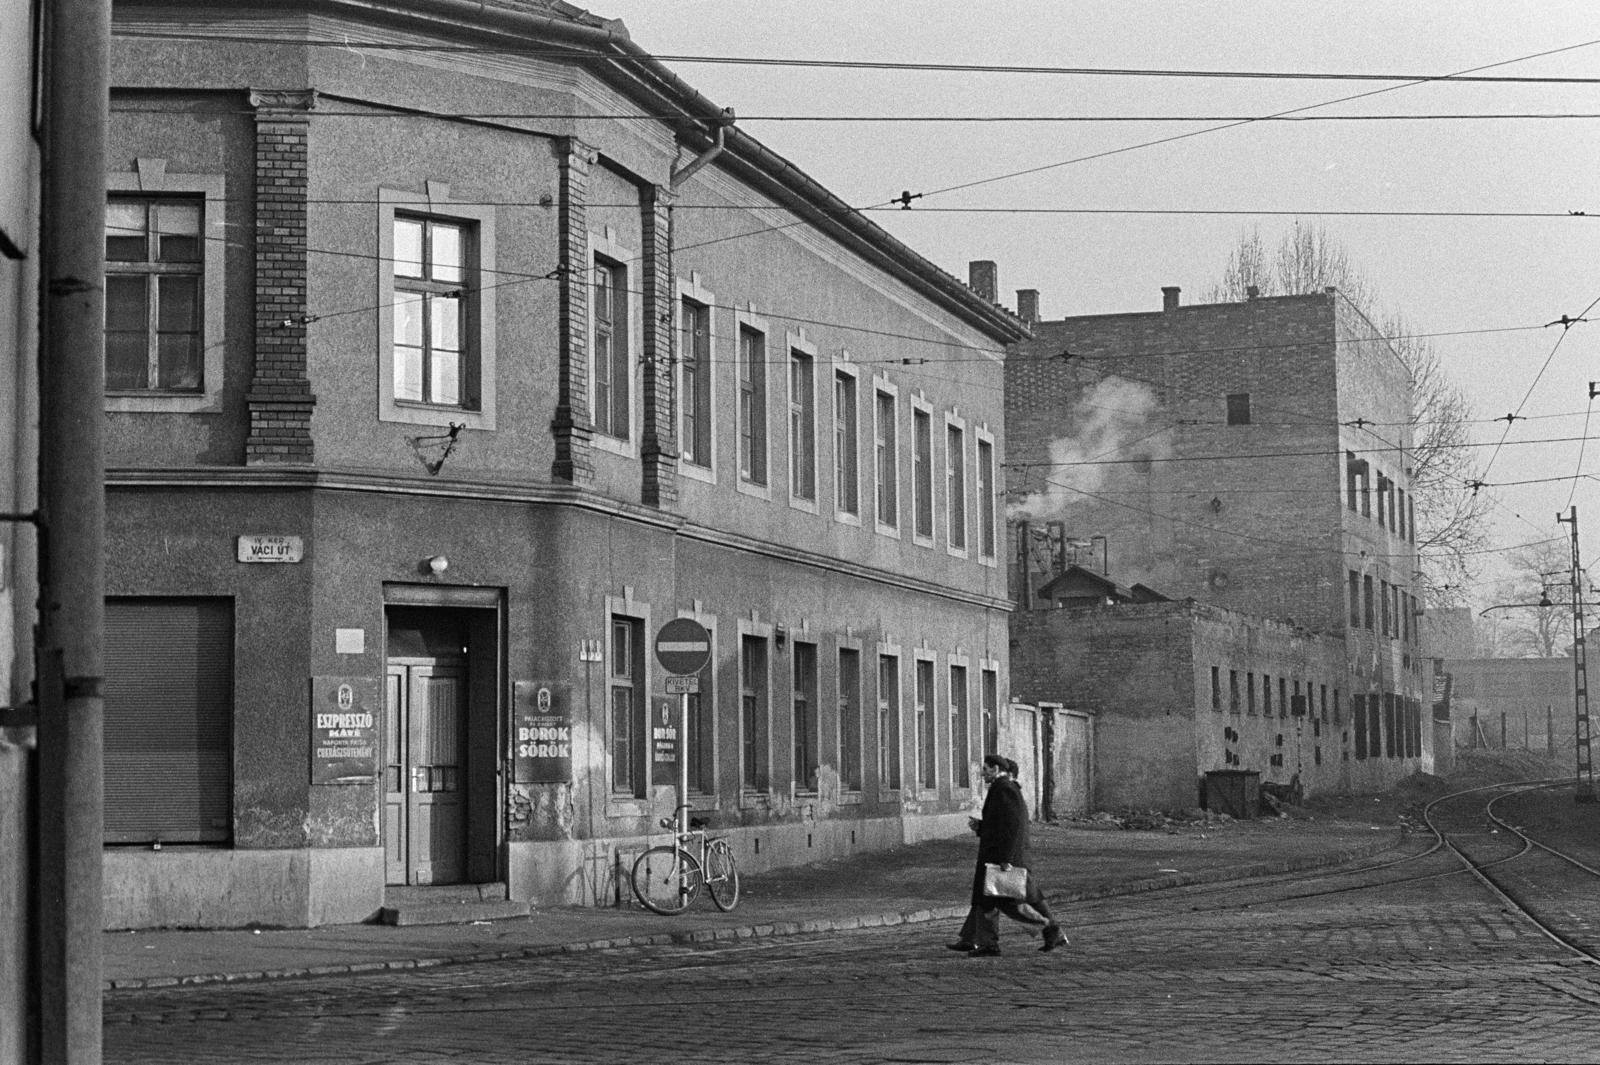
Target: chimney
pixel 1028 304
pixel 983 276
pixel 1169 297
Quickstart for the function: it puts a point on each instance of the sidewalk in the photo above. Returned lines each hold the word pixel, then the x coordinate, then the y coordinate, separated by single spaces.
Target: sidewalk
pixel 924 882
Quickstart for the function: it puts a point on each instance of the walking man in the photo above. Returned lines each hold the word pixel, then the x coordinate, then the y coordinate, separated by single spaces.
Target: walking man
pixel 1003 840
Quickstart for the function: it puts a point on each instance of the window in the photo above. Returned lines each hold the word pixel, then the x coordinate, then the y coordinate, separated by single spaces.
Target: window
pixel 887 462
pixel 960 729
pixel 168 720
pixel 986 498
pixel 922 473
pixel 436 333
pixel 849 719
pixel 1358 714
pixel 613 368
pixel 164 290
pixel 1216 688
pixel 888 721
pixel 1383 602
pixel 1233 691
pixel 752 405
pixel 1324 689
pixel 1366 602
pixel 1250 693
pixel 990 709
pixel 155 294
pixel 1355 599
pixel 694 358
pixel 1338 711
pixel 1400 511
pixel 927 766
pixel 1352 480
pixel 846 456
pixel 802 427
pixel 432 364
pixel 955 482
pixel 805 717
pixel 1283 697
pixel 753 715
pixel 1383 495
pixel 1266 695
pixel 700 744
pixel 1239 408
pixel 627 707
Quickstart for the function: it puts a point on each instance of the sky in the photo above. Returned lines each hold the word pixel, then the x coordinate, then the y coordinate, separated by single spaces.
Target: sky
pixel 1483 288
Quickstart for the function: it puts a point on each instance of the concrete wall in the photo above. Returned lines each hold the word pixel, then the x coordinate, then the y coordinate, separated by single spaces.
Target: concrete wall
pixel 1519 703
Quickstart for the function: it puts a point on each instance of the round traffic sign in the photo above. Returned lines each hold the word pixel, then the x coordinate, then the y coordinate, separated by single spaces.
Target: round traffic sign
pixel 683 646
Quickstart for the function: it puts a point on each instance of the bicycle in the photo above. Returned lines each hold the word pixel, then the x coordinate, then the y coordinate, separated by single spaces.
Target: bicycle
pixel 667 879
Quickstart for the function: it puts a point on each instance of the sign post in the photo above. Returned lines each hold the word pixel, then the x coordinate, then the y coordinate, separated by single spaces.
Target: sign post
pixel 683 646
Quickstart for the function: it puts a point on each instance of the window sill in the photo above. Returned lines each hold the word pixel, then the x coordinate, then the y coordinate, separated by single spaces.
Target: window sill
pixel 163 403
pixel 615 445
pixel 751 488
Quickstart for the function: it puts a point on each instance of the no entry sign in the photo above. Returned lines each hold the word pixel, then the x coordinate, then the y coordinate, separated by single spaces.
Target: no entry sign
pixel 683 646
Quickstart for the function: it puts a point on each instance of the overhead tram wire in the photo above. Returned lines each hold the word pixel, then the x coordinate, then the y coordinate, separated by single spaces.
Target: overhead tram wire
pixel 1462 75
pixel 536 51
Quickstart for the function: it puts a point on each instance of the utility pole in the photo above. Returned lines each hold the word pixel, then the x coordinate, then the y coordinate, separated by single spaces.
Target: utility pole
pixel 66 951
pixel 1584 788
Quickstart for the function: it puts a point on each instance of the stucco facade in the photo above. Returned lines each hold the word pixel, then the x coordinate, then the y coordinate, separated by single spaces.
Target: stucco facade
pixel 640 390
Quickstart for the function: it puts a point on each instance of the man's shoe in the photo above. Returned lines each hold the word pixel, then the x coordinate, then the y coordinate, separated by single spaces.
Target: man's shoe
pixel 984 952
pixel 1054 937
pixel 961 945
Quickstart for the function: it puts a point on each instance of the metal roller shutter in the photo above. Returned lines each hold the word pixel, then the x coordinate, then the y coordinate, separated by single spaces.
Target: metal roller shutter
pixel 169 720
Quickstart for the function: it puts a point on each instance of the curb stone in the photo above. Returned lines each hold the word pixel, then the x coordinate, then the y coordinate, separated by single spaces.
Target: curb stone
pixel 821 924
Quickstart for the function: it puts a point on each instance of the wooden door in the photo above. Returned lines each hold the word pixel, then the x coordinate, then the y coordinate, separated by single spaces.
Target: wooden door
pixel 424 809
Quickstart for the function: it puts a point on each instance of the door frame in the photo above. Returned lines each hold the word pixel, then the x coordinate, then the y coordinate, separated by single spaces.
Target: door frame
pixel 483 612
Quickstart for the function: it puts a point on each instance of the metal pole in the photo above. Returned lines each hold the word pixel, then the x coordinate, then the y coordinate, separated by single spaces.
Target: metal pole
pixel 72 509
pixel 683 766
pixel 1583 789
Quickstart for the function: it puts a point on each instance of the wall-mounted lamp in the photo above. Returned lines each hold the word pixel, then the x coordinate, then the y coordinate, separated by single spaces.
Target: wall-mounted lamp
pixel 435 566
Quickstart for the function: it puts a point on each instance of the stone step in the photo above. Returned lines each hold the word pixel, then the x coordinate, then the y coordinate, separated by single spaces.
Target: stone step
pixel 455 912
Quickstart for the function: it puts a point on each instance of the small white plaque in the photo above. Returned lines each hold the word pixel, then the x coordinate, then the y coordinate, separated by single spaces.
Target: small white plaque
pixel 258 548
pixel 683 685
pixel 350 641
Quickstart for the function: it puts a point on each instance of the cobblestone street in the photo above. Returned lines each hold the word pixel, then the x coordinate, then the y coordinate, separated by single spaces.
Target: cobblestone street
pixel 1428 970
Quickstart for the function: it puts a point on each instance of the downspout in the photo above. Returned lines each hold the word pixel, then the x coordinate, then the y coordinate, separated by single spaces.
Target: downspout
pixel 680 175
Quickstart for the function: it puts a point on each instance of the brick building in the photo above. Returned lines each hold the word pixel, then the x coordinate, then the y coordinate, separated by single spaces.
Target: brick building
pixel 1250 456
pixel 438 381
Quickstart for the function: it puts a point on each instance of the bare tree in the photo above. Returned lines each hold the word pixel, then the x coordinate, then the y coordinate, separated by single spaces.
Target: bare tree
pixel 1541 573
pixel 1452 514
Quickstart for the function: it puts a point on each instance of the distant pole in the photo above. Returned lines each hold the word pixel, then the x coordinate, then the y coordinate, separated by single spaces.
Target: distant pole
pixel 1502 730
pixel 1583 789
pixel 1549 729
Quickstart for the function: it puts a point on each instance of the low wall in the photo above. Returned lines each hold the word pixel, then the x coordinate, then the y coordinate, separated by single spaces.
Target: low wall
pixel 202 887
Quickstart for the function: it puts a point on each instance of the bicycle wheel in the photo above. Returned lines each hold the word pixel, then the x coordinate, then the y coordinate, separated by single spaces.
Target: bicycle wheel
pixel 722 875
pixel 656 882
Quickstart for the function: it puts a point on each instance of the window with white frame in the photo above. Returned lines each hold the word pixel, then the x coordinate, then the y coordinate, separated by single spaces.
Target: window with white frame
pixel 752 405
pixel 888 721
pixel 846 447
pixel 694 368
pixel 436 330
pixel 955 479
pixel 802 426
pixel 613 366
pixel 155 278
pixel 927 744
pixel 807 729
pixel 960 728
pixel 849 719
pixel 628 701
pixel 754 718
pixel 886 460
pixel 921 472
pixel 986 497
pixel 163 290
pixel 989 693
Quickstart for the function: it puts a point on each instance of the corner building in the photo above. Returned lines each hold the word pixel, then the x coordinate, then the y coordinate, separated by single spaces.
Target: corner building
pixel 1252 456
pixel 453 349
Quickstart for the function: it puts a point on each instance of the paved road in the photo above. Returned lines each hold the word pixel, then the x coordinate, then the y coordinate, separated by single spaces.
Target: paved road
pixel 1428 970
